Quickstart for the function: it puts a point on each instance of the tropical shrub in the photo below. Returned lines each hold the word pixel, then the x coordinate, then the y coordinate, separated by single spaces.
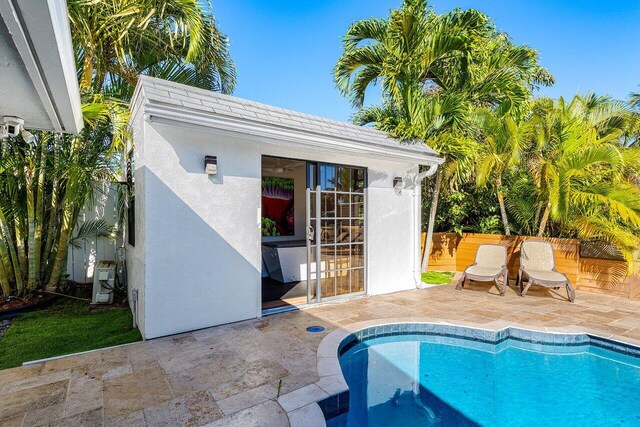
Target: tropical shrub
pixel 45 182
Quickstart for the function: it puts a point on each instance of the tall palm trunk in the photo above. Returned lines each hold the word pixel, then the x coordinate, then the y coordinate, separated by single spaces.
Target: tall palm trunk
pixel 17 270
pixel 503 210
pixel 39 213
pixel 22 255
pixel 31 243
pixel 62 246
pixel 53 212
pixel 544 220
pixel 5 259
pixel 4 279
pixel 432 220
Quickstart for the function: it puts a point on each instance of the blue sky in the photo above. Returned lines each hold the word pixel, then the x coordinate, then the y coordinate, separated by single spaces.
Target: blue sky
pixel 285 49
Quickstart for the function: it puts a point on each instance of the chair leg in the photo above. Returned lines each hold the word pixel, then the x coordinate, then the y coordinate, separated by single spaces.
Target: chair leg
pixel 571 294
pixel 501 287
pixel 519 281
pixel 460 284
pixel 524 289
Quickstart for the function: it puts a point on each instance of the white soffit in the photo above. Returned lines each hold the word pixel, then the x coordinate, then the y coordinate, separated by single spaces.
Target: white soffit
pixel 38 80
pixel 185 106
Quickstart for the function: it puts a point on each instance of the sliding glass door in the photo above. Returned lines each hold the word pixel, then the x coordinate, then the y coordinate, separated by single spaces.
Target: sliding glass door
pixel 335 230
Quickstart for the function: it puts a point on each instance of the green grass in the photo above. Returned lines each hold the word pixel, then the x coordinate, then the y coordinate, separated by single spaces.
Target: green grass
pixel 437 277
pixel 67 326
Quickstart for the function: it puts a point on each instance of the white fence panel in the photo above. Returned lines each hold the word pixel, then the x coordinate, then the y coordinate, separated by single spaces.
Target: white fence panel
pixel 81 261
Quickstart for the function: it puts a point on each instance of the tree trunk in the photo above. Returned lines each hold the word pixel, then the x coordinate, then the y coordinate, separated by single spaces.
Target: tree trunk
pixel 39 213
pixel 22 255
pixel 432 220
pixel 53 214
pixel 5 259
pixel 4 280
pixel 544 220
pixel 31 258
pixel 503 210
pixel 62 247
pixel 17 271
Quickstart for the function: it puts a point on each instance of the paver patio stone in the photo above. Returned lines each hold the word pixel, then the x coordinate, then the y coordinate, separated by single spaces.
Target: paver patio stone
pixel 15 421
pixel 84 394
pixel 20 373
pixel 191 410
pixel 241 366
pixel 199 377
pixel 245 376
pixel 135 391
pixel 267 414
pixel 85 419
pixel 247 399
pixel 132 419
pixel 41 396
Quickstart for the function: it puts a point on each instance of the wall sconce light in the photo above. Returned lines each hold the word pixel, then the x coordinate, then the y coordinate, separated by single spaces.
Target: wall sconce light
pixel 398 184
pixel 210 165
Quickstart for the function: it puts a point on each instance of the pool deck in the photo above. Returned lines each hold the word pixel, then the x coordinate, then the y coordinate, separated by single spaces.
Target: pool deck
pixel 232 375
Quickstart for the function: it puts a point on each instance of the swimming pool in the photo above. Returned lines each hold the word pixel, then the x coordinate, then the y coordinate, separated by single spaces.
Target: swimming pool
pixel 423 375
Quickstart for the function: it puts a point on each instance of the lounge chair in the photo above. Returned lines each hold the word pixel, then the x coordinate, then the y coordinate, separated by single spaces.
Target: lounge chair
pixel 490 265
pixel 538 267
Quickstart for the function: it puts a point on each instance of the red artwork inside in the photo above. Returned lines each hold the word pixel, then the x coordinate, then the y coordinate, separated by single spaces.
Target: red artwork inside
pixel 277 206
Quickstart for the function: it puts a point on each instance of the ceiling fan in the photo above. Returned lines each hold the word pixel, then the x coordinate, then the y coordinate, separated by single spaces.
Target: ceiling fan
pixel 278 168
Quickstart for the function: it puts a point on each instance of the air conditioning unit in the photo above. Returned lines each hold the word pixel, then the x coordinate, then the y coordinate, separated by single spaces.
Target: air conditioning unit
pixel 104 282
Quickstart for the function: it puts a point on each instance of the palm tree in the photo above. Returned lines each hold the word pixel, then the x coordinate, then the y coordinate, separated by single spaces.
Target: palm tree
pixel 584 173
pixel 117 40
pixel 44 183
pixel 434 70
pixel 503 140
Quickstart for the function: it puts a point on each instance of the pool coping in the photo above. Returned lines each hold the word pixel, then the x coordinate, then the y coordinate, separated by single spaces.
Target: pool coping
pixel 307 406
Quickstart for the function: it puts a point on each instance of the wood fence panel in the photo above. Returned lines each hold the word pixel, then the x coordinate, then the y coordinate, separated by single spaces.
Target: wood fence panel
pixel 443 251
pixel 599 275
pixel 454 253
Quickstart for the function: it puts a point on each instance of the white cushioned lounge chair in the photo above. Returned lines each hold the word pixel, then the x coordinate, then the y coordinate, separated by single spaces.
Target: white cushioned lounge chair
pixel 490 266
pixel 538 267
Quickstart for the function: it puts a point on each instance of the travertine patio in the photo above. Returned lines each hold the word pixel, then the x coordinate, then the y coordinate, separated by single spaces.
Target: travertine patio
pixel 231 375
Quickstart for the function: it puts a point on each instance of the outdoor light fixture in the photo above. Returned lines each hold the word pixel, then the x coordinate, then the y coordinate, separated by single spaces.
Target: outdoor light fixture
pixel 398 184
pixel 210 165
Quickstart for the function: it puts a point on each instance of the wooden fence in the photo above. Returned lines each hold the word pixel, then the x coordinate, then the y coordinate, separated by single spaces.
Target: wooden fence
pixel 454 252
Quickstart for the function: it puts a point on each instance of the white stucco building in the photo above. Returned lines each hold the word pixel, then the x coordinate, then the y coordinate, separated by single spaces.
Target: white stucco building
pixel 195 257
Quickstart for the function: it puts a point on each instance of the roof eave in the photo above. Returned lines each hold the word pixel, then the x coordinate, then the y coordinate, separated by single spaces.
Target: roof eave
pixel 48 58
pixel 277 135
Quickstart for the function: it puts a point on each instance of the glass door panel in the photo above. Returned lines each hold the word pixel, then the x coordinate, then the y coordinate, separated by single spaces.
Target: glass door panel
pixel 336 201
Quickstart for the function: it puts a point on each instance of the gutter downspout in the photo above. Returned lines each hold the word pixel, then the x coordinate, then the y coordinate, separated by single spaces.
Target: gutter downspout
pixel 417 215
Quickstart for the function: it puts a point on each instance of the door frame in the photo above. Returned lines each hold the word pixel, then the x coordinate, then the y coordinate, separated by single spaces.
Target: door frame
pixel 317 232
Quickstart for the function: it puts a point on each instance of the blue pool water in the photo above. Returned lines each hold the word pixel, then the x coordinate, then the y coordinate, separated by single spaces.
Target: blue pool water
pixel 423 380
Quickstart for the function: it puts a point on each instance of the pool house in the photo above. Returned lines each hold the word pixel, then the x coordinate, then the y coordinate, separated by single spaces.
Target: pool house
pixel 240 209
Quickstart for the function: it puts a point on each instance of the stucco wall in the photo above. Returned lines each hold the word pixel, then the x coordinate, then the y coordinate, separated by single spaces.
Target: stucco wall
pixel 200 238
pixel 135 260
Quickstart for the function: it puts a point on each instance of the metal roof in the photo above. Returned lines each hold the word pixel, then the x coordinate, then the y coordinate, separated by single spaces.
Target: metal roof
pixel 170 94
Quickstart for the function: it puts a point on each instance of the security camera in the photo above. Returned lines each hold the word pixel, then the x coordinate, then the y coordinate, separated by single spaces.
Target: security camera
pixel 11 127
